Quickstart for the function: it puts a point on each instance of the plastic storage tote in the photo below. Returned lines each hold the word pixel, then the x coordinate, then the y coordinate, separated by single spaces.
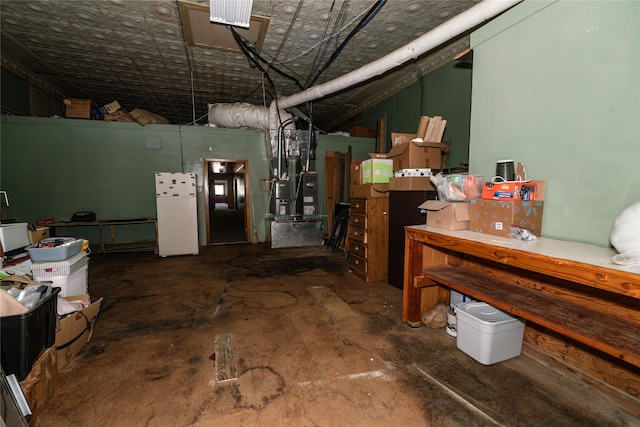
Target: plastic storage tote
pixel 487 334
pixel 66 247
pixel 25 336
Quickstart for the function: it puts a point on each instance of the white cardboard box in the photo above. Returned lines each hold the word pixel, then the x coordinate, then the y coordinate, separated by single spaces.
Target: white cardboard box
pixel 487 334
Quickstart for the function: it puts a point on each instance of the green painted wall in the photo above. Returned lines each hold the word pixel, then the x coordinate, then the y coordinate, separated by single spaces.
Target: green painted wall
pixel 447 93
pixel 444 92
pixel 55 167
pixel 360 149
pixel 14 93
pixel 555 85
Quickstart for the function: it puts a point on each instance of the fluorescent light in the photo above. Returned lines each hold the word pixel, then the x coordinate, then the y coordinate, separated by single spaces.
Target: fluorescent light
pixel 231 12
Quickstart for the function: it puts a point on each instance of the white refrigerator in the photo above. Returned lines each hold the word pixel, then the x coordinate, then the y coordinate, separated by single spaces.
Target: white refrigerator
pixel 177 207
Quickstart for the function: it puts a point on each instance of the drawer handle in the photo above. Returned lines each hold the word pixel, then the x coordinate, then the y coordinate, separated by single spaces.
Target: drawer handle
pixel 356 220
pixel 357 262
pixel 357 248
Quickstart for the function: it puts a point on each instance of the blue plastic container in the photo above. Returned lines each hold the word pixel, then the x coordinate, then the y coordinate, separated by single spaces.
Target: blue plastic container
pixel 69 247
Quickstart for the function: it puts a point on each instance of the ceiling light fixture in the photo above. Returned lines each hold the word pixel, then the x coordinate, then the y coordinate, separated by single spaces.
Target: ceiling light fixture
pixel 199 31
pixel 231 12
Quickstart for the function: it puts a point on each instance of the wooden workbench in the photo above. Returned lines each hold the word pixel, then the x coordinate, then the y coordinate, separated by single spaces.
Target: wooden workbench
pixel 582 310
pixel 112 244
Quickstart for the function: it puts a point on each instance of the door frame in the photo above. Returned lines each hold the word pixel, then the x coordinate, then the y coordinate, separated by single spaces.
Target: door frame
pixel 247 197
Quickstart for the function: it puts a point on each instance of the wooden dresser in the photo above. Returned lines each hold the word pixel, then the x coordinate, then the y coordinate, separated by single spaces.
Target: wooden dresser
pixel 368 236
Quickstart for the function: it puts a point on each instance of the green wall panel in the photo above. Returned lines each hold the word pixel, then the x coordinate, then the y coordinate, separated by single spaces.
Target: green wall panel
pixel 55 167
pixel 444 92
pixel 14 93
pixel 555 85
pixel 447 93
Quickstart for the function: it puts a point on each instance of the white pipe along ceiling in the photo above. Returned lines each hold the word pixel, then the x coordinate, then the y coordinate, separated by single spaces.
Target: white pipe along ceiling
pixel 242 114
pixel 463 22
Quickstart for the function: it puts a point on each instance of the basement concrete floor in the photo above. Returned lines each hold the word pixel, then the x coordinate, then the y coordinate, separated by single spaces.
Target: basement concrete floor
pixel 313 345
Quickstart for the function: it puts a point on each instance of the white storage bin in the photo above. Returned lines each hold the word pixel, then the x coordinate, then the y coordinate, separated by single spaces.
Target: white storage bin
pixel 74 284
pixel 59 268
pixel 71 275
pixel 487 334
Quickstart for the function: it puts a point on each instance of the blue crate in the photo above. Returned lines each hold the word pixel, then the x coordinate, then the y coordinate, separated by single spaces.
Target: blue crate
pixel 69 247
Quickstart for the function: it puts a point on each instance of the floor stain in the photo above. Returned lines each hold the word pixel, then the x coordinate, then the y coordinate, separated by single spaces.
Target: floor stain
pixel 257 387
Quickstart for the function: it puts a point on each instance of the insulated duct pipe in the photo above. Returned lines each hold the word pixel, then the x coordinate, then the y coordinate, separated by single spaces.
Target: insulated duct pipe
pixel 442 33
pixel 242 114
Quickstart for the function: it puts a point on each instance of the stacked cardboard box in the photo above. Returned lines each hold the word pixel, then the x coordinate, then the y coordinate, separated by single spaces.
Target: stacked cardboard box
pixel 506 205
pixel 77 108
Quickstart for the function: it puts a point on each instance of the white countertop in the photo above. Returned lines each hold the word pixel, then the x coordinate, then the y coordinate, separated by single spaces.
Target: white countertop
pixel 558 249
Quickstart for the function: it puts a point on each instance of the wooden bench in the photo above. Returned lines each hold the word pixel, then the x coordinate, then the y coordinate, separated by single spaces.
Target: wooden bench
pixel 581 309
pixel 112 245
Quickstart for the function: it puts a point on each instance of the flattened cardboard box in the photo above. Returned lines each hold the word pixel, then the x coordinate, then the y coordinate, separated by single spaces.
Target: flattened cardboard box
pixel 76 329
pixel 368 190
pixel 447 215
pixel 410 183
pixel 497 216
pixel 41 383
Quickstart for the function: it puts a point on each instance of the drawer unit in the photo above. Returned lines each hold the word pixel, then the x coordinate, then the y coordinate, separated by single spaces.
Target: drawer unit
pixel 357 234
pixel 368 238
pixel 358 263
pixel 358 206
pixel 359 220
pixel 357 248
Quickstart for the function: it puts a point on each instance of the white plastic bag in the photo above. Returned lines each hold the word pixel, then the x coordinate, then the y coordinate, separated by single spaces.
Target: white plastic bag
pixel 625 234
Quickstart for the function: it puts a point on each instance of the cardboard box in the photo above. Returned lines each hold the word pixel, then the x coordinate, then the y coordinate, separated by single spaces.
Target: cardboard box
pixel 447 215
pixel 377 170
pixel 401 138
pixel 513 190
pixel 416 155
pixel 112 107
pixel 44 222
pixel 77 108
pixel 355 175
pixel 410 183
pixel 363 132
pixel 76 329
pixel 497 216
pixel 368 190
pixel 39 234
pixel 41 383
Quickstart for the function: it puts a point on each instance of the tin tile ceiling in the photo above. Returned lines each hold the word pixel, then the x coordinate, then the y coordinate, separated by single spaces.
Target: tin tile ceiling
pixel 134 51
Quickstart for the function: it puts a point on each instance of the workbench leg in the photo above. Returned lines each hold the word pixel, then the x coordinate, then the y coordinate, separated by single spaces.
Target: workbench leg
pixel 411 295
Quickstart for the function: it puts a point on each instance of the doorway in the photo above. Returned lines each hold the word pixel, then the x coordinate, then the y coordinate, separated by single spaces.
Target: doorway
pixel 226 192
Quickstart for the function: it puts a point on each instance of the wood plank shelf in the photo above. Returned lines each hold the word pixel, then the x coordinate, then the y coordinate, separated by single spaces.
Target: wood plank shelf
pixel 607 333
pixel 582 310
